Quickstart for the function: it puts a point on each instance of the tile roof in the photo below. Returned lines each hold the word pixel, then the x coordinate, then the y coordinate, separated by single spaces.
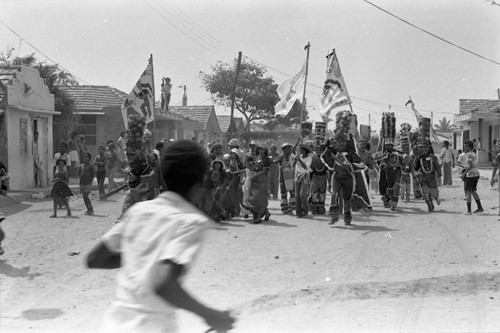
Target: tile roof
pixel 224 122
pixel 479 105
pixel 94 98
pixel 199 113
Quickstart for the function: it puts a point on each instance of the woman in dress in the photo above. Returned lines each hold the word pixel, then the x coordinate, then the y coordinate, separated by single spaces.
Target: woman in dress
pixel 60 189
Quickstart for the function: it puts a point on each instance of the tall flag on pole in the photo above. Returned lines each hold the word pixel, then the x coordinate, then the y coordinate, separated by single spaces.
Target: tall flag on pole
pixel 334 90
pixel 434 137
pixel 289 91
pixel 141 98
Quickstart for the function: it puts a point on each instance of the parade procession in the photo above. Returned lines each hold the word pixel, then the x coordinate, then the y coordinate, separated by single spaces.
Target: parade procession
pixel 284 195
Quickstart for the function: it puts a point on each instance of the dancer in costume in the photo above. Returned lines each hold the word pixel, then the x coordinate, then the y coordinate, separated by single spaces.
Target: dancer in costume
pixel 302 179
pixel 427 169
pixel 138 171
pixel 390 163
pixel 406 168
pixel 235 172
pixel 258 186
pixel 286 173
pixel 342 178
pixel 318 181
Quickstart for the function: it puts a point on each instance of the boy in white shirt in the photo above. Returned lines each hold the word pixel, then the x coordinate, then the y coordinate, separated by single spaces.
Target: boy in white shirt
pixel 155 243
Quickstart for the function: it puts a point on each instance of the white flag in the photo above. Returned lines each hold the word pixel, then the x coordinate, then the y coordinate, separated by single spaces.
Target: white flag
pixel 289 91
pixel 141 98
pixel 334 90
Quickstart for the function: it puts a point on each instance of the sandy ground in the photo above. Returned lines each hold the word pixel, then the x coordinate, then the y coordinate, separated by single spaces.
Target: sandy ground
pixel 404 271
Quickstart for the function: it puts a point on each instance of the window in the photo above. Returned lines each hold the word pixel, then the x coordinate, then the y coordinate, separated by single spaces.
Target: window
pixel 23 136
pixel 89 129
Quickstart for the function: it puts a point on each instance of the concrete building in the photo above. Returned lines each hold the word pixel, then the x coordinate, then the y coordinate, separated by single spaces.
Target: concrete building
pixel 26 120
pixel 204 114
pixel 99 108
pixel 478 119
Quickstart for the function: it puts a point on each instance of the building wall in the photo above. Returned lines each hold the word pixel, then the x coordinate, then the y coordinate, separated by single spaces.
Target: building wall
pixel 20 152
pixel 29 101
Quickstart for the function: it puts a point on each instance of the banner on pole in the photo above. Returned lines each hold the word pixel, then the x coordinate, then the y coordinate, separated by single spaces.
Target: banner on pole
pixel 289 91
pixel 141 98
pixel 334 90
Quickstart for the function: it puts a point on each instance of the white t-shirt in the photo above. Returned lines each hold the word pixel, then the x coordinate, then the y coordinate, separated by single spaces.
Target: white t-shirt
pixel 167 227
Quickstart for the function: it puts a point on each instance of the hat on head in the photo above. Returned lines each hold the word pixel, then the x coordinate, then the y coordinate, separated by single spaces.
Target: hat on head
pixel 235 150
pixel 306 146
pixel 233 142
pixel 285 145
pixel 252 143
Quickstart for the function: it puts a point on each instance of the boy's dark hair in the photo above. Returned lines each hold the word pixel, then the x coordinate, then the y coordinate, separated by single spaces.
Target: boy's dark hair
pixel 88 154
pixel 159 146
pixel 64 144
pixel 108 142
pixel 101 147
pixel 469 143
pixel 183 165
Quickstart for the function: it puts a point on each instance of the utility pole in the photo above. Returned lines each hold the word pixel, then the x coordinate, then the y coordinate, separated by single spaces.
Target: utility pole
pixel 307 47
pixel 231 122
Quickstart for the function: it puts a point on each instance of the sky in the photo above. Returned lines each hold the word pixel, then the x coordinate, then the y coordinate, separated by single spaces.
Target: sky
pixel 383 60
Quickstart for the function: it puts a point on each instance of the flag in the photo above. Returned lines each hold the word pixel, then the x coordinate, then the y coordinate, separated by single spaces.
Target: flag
pixel 433 135
pixel 289 91
pixel 141 98
pixel 334 90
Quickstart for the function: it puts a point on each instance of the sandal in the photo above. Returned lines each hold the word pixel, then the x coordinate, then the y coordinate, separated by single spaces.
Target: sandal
pixel 53 216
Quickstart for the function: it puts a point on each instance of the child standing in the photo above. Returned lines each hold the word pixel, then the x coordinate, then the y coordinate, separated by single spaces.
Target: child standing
pixel 100 163
pixel 470 177
pixel 60 190
pixel 87 174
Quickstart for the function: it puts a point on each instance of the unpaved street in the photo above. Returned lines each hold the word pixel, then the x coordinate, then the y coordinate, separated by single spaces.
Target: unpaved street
pixel 404 271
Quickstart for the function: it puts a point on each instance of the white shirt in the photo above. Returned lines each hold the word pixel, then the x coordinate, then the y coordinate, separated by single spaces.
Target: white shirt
pixel 447 155
pixel 167 227
pixel 299 169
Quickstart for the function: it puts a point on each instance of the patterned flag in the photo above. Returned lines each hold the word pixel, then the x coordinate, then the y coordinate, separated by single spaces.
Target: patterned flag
pixel 334 90
pixel 141 98
pixel 289 91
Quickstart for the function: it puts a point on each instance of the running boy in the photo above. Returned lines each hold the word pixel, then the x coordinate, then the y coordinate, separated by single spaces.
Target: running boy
pixel 155 244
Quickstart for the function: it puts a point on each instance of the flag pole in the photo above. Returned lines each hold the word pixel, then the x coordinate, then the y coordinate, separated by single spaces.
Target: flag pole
pixel 233 95
pixel 307 47
pixel 154 101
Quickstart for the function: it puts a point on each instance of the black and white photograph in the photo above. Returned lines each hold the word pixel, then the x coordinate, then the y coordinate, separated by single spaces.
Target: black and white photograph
pixel 249 166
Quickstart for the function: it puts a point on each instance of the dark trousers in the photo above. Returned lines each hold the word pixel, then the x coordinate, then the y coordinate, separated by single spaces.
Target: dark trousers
pixel 101 176
pixel 389 185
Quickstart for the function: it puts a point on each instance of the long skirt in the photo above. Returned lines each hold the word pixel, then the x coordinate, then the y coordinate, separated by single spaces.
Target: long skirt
pixel 258 193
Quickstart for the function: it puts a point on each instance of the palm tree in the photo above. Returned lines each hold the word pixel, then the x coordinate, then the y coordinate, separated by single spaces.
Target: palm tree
pixel 444 126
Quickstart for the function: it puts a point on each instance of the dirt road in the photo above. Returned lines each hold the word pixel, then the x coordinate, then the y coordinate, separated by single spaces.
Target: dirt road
pixel 404 271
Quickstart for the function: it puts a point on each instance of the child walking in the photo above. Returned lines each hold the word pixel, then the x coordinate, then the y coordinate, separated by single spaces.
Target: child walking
pixel 60 189
pixel 470 177
pixel 87 174
pixel 100 163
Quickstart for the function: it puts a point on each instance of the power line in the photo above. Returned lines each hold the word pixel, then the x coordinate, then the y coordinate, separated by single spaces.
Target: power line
pixel 433 35
pixel 39 51
pixel 492 2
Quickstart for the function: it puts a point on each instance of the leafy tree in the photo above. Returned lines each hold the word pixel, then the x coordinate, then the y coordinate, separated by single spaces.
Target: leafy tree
pixel 255 94
pixel 444 126
pixel 53 77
